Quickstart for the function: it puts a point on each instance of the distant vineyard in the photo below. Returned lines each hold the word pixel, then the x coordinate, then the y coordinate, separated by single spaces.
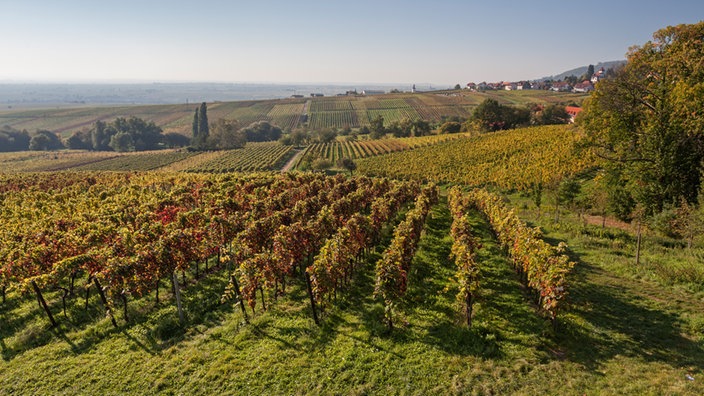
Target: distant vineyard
pixel 193 162
pixel 254 157
pixel 367 148
pixel 326 112
pixel 287 116
pixel 333 119
pixel 509 159
pixel 330 105
pixel 136 161
pixel 42 161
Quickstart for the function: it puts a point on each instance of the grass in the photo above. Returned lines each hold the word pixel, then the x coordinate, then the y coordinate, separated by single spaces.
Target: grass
pixel 622 335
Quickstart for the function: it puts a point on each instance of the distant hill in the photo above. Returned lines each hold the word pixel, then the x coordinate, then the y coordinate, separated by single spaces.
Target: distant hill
pixel 581 70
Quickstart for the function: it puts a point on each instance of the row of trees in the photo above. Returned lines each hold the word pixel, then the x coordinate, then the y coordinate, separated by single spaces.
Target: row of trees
pixel 490 115
pixel 14 140
pixel 131 134
pixel 404 128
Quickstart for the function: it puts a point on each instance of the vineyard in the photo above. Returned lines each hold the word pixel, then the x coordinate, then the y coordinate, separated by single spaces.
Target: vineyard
pixel 142 161
pixel 326 112
pixel 197 280
pixel 40 161
pixel 253 157
pixel 367 148
pixel 124 234
pixel 517 158
pixel 133 232
pixel 271 277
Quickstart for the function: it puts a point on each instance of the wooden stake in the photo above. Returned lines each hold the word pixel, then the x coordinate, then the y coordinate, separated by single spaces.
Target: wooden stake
pixel 177 293
pixel 42 303
pixel 105 301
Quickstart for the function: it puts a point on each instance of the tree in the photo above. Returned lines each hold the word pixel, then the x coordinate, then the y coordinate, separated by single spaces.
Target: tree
pixel 348 164
pixel 321 164
pixel 175 139
pixel 200 128
pixel 488 115
pixel 420 128
pixel 377 130
pixel 99 140
pixel 194 127
pixel 397 129
pixel 646 120
pixel 122 141
pixel 262 131
pixel 203 126
pixel 569 190
pixel 551 115
pixel 79 140
pixel 143 135
pixel 325 136
pixel 450 127
pixel 226 135
pixel 457 86
pixel 13 140
pixel 299 137
pixel 689 220
pixel 45 140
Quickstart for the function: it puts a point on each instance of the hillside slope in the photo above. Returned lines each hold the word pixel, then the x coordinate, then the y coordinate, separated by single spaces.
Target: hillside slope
pixel 314 113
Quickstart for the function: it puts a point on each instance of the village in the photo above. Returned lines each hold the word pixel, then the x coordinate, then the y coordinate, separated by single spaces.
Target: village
pixel 570 84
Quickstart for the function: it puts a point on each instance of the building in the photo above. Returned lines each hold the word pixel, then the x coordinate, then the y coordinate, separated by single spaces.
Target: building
pixel 584 86
pixel 598 76
pixel 573 111
pixel 372 92
pixel 561 86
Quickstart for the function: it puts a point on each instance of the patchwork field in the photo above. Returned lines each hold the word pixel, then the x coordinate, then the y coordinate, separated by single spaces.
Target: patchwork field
pixel 289 114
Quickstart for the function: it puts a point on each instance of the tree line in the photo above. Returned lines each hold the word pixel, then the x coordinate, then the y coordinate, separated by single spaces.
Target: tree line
pixel 121 134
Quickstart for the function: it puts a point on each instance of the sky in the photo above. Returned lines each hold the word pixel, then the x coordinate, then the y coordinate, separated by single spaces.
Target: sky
pixel 321 41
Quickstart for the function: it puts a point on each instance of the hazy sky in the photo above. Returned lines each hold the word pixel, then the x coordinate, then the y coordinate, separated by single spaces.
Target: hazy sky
pixel 380 41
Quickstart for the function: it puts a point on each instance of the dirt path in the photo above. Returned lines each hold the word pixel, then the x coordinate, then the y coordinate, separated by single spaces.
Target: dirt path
pixel 292 161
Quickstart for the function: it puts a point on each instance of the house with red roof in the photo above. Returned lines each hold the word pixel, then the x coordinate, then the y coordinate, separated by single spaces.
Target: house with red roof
pixel 573 111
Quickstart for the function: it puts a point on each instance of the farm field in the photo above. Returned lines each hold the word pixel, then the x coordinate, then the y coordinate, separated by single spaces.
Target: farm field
pixel 325 112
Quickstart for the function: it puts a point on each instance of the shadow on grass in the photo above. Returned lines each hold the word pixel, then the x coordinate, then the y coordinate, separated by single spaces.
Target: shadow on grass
pixel 82 329
pixel 614 320
pixel 503 308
